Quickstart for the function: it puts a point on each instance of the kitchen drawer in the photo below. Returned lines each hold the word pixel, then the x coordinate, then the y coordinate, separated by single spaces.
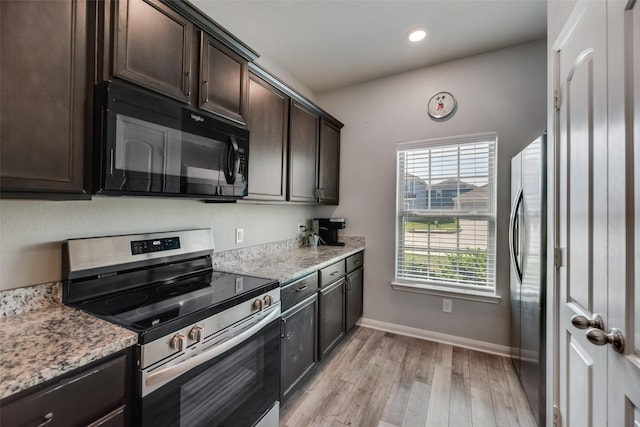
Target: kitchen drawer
pixel 355 261
pixel 332 273
pixel 80 400
pixel 296 291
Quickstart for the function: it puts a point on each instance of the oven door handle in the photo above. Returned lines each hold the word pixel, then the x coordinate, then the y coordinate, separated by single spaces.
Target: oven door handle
pixel 179 369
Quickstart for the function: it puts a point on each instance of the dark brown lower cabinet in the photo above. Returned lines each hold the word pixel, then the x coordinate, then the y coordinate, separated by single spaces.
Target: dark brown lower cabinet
pixel 96 396
pixel 299 326
pixel 353 297
pixel 331 323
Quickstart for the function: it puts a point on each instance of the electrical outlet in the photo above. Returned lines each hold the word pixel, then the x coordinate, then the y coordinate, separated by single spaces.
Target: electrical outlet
pixel 447 305
pixel 239 235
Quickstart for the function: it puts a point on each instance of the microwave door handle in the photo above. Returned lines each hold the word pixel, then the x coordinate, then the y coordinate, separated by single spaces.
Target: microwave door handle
pixel 233 160
pixel 158 378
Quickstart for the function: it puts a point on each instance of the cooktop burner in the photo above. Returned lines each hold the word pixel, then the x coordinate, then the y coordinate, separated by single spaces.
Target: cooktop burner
pixel 144 299
pixel 155 283
pixel 155 309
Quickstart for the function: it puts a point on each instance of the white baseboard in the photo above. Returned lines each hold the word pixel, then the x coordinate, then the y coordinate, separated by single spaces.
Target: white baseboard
pixel 482 346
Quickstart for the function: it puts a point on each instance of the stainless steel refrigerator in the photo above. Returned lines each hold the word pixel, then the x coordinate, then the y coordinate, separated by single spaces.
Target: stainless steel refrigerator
pixel 527 245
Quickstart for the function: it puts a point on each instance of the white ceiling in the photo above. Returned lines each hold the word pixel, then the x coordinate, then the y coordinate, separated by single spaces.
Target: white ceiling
pixel 329 44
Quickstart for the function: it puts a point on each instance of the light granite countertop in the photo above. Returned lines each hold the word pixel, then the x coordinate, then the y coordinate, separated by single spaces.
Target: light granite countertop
pixel 43 344
pixel 292 263
pixel 43 339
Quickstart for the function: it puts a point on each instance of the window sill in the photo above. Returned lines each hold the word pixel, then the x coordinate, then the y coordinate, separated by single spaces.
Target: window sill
pixel 447 292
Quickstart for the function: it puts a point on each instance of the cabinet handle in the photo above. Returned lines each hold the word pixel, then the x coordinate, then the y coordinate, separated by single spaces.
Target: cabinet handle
pixel 334 273
pixel 302 288
pixel 47 419
pixel 283 328
pixel 205 88
pixel 356 262
pixel 188 76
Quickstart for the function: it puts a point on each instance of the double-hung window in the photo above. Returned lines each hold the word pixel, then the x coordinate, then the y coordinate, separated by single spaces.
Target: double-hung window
pixel 446 198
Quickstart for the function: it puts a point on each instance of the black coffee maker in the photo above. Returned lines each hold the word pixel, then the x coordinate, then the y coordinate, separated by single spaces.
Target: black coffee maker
pixel 327 229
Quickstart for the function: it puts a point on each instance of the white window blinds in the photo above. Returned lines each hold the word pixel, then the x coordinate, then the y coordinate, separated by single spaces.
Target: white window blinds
pixel 445 233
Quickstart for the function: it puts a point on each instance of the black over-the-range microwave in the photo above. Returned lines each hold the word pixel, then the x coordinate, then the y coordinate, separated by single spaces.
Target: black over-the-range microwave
pixel 148 145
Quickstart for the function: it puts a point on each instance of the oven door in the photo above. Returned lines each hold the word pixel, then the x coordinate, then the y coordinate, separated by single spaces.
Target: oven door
pixel 235 388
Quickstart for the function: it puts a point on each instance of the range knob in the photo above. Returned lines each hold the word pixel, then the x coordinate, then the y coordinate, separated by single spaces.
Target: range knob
pixel 196 333
pixel 257 304
pixel 178 342
pixel 268 300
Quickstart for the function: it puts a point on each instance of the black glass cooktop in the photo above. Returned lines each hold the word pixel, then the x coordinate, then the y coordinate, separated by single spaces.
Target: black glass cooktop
pixel 164 307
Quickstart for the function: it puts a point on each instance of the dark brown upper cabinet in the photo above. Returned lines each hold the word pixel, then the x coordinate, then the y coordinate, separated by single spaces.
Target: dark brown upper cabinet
pixel 44 94
pixel 304 129
pixel 329 163
pixel 268 125
pixel 310 170
pixel 152 47
pixel 223 80
pixel 169 47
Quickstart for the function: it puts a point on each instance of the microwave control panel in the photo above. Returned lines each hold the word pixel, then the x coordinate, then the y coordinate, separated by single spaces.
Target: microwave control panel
pixel 139 247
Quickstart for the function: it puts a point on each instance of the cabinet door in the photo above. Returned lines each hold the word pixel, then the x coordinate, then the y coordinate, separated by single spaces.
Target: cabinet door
pixel 268 124
pixel 298 344
pixel 331 317
pixel 43 94
pixel 303 154
pixel 224 78
pixel 353 304
pixel 329 164
pixel 152 47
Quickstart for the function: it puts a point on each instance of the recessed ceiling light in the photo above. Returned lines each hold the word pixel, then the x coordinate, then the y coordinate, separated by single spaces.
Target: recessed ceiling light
pixel 417 34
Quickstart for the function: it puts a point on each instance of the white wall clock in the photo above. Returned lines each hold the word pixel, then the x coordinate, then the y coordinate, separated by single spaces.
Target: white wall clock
pixel 441 105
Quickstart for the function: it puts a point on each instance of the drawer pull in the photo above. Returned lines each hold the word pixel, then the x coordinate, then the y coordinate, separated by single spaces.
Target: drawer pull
pixel 302 288
pixel 47 419
pixel 334 273
pixel 357 261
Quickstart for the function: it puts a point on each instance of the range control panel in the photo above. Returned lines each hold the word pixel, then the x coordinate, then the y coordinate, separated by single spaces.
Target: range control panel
pixel 154 245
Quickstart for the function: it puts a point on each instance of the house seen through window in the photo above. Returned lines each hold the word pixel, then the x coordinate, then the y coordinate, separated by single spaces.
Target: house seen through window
pixel 445 232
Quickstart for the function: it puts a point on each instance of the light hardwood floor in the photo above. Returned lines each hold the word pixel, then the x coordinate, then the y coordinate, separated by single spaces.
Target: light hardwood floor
pixel 379 379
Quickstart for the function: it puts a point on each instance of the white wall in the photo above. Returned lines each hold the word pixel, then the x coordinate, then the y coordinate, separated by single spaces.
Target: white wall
pixel 31 232
pixel 502 91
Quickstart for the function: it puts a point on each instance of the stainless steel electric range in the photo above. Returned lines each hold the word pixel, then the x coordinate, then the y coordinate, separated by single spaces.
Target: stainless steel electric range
pixel 208 351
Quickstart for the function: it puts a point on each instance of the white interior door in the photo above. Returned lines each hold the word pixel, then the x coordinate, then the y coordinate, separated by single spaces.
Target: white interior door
pixel 598 134
pixel 581 73
pixel 624 210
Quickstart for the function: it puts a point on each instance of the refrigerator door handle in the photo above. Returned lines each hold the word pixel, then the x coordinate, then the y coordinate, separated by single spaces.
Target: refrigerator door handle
pixel 514 235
